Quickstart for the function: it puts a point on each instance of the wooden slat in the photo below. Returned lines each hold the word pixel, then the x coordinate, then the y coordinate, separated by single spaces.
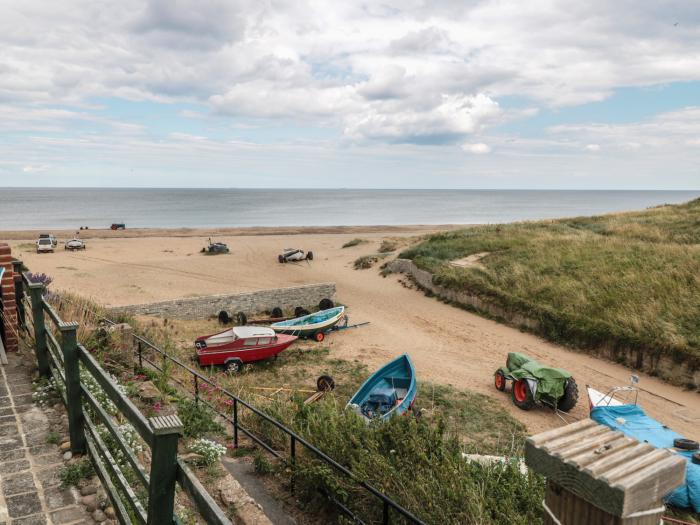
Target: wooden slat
pixel 205 504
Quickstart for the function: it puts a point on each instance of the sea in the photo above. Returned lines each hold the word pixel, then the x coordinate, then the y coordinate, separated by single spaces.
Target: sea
pixel 68 208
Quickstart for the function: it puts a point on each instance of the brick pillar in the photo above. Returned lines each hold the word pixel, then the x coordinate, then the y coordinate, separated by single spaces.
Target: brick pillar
pixel 7 296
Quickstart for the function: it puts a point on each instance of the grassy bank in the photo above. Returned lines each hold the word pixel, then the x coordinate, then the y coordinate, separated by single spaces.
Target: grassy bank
pixel 631 279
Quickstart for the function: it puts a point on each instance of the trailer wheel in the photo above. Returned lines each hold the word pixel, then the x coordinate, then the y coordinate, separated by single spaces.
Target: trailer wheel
pixel 319 336
pixel 499 381
pixel 310 256
pixel 570 397
pixel 276 312
pixel 521 395
pixel 685 444
pixel 280 258
pixel 233 365
pixel 325 384
pixel 224 317
pixel 241 319
pixel 325 304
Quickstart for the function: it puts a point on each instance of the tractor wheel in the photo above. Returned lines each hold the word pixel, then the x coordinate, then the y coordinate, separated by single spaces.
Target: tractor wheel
pixel 280 258
pixel 499 381
pixel 224 317
pixel 325 304
pixel 233 366
pixel 570 397
pixel 300 311
pixel 319 336
pixel 241 319
pixel 521 395
pixel 325 384
pixel 685 444
pixel 310 256
pixel 276 312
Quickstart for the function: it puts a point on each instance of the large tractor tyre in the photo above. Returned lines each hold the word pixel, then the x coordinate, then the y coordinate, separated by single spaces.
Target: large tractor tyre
pixel 499 381
pixel 310 256
pixel 325 383
pixel 276 312
pixel 570 397
pixel 224 317
pixel 300 312
pixel 241 319
pixel 325 304
pixel 521 395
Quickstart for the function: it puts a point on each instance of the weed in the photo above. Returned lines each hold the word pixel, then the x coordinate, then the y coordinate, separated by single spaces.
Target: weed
pixel 261 464
pixel 73 473
pixel 387 246
pixel 197 419
pixel 365 262
pixel 53 438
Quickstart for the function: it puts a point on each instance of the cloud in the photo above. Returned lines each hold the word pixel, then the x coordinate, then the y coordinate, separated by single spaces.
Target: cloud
pixel 592 147
pixel 477 149
pixel 34 168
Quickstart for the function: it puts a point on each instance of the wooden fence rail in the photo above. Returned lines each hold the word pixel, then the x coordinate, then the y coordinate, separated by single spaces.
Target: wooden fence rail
pixel 59 355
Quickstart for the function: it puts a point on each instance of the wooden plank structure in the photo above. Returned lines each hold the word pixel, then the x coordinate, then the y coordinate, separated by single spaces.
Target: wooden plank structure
pixel 597 475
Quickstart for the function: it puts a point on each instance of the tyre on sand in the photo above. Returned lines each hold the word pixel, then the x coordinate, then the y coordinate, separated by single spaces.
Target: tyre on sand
pixel 325 304
pixel 310 256
pixel 499 381
pixel 280 258
pixel 276 312
pixel 521 395
pixel 570 397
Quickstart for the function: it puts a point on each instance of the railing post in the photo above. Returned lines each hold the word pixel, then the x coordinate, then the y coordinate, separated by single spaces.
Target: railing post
pixel 196 390
pixel 19 293
pixel 161 488
pixel 385 514
pixel 293 454
pixel 74 394
pixel 235 423
pixel 42 359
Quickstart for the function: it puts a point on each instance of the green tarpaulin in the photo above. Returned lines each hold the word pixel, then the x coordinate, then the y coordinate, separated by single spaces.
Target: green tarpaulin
pixel 550 381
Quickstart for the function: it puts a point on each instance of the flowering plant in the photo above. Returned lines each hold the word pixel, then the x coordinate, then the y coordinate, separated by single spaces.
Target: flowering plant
pixel 210 450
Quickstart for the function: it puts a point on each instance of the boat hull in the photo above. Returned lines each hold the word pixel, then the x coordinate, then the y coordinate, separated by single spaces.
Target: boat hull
pixel 311 324
pixel 397 376
pixel 220 354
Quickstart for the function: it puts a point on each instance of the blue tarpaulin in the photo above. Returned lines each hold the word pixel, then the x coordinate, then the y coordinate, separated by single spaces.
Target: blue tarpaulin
pixel 633 422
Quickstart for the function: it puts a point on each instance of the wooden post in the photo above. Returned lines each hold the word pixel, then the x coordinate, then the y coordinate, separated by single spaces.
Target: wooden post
pixel 161 488
pixel 36 291
pixel 74 394
pixel 19 293
pixel 597 475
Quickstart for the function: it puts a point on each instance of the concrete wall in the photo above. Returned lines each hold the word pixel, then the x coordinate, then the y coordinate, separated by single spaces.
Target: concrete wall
pixel 250 303
pixel 644 359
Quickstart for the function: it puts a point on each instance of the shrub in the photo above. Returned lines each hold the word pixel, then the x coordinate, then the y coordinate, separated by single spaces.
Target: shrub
pixel 210 450
pixel 365 262
pixel 197 419
pixel 387 246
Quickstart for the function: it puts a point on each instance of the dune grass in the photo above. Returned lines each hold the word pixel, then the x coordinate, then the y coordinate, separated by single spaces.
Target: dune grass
pixel 629 278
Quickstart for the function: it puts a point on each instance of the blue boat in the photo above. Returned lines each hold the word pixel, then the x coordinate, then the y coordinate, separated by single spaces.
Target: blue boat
pixel 389 391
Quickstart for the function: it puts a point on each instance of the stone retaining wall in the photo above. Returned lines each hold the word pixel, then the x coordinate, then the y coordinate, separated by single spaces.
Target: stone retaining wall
pixel 250 303
pixel 663 366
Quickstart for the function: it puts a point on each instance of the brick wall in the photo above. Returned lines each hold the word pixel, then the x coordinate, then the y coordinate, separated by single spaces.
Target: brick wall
pixel 249 303
pixel 7 296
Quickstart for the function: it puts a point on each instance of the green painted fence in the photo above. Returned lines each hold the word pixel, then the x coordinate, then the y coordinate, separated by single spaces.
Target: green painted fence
pixel 60 355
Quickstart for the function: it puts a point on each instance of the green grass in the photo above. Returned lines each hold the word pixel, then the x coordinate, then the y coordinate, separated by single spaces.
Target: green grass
pixel 354 242
pixel 72 473
pixel 630 278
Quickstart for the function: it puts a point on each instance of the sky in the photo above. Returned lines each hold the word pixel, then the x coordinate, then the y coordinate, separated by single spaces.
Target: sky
pixel 395 94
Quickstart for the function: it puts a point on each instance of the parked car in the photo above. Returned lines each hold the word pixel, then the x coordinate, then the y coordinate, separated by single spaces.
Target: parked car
pixel 49 236
pixel 294 254
pixel 214 248
pixel 118 226
pixel 44 245
pixel 75 244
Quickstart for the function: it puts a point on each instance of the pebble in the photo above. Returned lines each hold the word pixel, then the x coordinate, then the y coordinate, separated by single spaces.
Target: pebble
pixel 67 455
pixel 99 516
pixel 90 501
pixel 87 490
pixel 64 446
pixel 109 512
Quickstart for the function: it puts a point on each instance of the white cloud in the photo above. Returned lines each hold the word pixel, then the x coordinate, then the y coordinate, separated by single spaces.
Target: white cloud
pixel 33 168
pixel 478 149
pixel 592 147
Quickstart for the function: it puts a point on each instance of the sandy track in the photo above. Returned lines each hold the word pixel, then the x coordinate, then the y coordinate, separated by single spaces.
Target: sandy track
pixel 448 345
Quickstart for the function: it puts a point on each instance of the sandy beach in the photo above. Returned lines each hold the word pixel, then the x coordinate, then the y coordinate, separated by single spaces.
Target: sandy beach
pixel 448 345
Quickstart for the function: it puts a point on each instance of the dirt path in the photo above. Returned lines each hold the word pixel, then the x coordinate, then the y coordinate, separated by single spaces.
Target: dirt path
pixel 447 345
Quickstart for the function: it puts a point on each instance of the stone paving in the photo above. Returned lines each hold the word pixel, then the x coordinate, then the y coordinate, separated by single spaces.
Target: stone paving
pixel 30 491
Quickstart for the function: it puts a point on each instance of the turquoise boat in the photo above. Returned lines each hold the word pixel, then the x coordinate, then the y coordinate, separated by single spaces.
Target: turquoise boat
pixel 389 391
pixel 312 325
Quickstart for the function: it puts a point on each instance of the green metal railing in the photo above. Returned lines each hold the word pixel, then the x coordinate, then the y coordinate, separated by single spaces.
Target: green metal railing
pixel 60 356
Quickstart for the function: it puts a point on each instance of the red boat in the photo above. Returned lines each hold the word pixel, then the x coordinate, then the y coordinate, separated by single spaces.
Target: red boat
pixel 240 344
